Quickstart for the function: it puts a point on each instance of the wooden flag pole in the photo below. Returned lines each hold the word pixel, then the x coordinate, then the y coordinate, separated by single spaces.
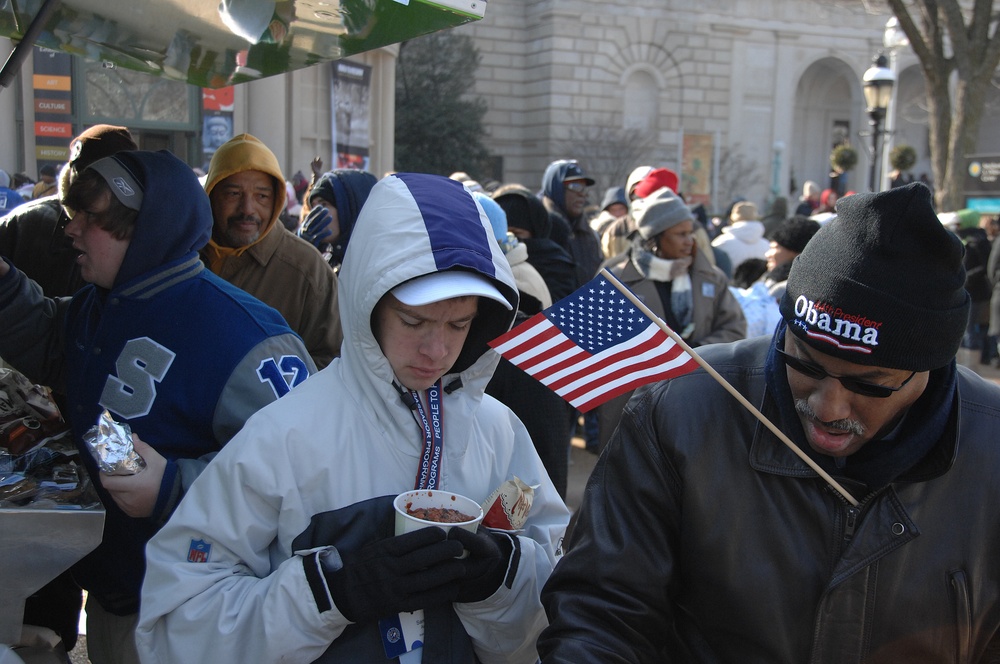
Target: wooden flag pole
pixel 729 388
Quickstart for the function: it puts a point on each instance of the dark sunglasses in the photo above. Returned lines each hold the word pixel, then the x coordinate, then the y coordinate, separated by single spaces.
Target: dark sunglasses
pixel 576 186
pixel 854 385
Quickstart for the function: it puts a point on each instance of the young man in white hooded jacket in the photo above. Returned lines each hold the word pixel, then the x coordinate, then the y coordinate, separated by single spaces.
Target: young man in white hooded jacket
pixel 283 550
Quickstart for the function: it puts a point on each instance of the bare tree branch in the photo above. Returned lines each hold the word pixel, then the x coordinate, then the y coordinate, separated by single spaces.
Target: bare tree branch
pixel 737 173
pixel 606 153
pixel 952 36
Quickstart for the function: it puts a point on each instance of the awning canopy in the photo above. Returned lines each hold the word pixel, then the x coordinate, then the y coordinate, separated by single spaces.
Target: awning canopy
pixel 212 44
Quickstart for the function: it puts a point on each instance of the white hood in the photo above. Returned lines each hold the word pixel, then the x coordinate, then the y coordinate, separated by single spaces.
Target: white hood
pixel 412 225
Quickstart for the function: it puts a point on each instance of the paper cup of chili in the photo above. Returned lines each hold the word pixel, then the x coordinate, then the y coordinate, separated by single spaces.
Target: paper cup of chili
pixel 429 507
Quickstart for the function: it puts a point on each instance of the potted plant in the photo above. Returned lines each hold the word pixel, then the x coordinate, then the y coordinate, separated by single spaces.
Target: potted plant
pixel 902 158
pixel 843 158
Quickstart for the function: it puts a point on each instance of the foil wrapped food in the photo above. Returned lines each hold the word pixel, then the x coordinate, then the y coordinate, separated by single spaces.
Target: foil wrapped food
pixel 110 443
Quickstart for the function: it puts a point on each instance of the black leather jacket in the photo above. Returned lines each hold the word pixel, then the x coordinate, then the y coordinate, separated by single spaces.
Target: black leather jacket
pixel 702 538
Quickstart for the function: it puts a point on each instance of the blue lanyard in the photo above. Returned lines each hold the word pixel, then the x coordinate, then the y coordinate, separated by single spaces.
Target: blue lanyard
pixel 430 461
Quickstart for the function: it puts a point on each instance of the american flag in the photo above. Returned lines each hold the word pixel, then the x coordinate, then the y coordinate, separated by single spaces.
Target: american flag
pixel 592 346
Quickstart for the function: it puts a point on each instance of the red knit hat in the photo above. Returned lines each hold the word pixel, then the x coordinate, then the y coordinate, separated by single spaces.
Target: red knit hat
pixel 658 178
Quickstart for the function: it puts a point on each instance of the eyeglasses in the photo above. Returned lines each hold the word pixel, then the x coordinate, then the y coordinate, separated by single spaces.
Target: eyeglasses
pixel 577 186
pixel 816 372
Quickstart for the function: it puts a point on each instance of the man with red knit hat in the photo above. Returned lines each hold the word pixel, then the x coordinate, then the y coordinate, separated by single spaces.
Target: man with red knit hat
pixel 658 178
pixel 642 182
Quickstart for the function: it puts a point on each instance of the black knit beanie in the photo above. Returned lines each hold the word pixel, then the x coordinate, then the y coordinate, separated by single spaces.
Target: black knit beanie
pixel 793 234
pixel 882 284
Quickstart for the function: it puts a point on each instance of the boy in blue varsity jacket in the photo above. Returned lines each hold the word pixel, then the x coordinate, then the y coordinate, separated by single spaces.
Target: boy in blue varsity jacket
pixel 167 347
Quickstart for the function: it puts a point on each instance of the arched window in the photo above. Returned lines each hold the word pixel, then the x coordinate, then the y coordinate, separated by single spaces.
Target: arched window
pixel 640 102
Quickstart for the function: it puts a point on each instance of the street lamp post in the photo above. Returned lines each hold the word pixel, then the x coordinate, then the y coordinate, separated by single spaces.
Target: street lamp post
pixel 878 84
pixel 893 39
pixel 779 147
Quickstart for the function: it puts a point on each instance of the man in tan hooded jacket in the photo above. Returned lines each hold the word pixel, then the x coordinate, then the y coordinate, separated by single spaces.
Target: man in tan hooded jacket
pixel 252 251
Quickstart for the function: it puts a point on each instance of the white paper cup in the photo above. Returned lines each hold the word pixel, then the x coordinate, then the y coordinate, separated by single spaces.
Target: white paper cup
pixel 433 498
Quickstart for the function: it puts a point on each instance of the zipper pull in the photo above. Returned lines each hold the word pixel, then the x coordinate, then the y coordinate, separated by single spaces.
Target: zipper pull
pixel 852 521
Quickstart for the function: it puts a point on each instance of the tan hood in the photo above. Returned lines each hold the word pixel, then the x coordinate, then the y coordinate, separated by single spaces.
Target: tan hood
pixel 243 153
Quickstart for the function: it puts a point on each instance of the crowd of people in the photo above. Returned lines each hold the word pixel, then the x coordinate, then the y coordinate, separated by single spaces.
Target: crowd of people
pixel 285 379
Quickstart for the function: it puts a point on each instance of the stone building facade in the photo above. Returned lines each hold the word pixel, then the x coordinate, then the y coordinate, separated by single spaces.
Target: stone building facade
pixel 745 97
pixel 748 97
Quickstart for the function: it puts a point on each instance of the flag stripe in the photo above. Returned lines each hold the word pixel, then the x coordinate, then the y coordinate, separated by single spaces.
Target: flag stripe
pixel 561 350
pixel 662 355
pixel 627 379
pixel 649 341
pixel 603 393
pixel 510 340
pixel 542 344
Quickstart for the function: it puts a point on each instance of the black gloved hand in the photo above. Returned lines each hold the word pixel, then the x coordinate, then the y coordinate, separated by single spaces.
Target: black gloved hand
pixel 486 565
pixel 316 228
pixel 402 573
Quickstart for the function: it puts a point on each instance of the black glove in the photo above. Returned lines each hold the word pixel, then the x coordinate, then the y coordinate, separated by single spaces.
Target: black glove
pixel 486 565
pixel 403 573
pixel 316 228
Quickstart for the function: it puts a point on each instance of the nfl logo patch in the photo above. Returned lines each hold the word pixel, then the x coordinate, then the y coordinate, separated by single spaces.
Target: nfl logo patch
pixel 198 552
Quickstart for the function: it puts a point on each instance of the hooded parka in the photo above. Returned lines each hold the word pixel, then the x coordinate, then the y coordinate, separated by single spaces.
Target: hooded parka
pixel 321 472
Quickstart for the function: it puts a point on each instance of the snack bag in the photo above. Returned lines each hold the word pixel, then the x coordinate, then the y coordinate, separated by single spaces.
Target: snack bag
pixel 507 508
pixel 29 417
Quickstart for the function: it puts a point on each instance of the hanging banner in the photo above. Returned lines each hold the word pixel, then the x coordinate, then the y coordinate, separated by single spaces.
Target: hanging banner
pixel 216 119
pixel 351 103
pixel 696 169
pixel 53 101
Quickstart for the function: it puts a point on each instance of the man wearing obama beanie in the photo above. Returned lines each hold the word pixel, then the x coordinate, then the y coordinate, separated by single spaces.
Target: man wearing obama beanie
pixel 889 556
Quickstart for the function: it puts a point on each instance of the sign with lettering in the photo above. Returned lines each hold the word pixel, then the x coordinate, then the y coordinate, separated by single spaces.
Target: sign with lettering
pixel 56 106
pixel 62 129
pixel 53 101
pixel 982 183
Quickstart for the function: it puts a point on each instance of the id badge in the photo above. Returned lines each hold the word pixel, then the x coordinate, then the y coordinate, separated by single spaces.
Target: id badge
pixel 708 289
pixel 402 634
